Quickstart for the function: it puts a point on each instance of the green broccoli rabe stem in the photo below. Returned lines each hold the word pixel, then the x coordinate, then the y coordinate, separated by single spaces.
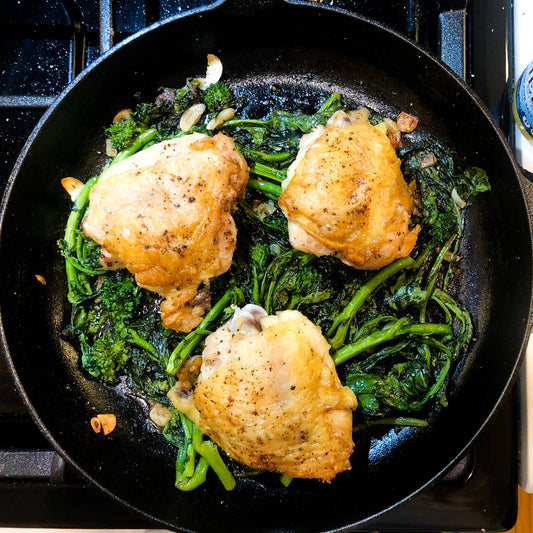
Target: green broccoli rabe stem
pixel 188 483
pixel 393 421
pixel 81 248
pixel 89 271
pixel 399 329
pixel 244 122
pixel 186 455
pixel 285 480
pixel 184 349
pixel 342 322
pixel 269 189
pixel 144 344
pixel 209 451
pixel 295 122
pixel 259 169
pixel 433 275
pixel 277 156
pixel 190 473
pixel 185 464
pixel 77 285
pixel 139 142
pixel 333 101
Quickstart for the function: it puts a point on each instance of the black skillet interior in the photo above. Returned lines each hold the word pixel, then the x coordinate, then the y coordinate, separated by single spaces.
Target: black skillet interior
pixel 285 56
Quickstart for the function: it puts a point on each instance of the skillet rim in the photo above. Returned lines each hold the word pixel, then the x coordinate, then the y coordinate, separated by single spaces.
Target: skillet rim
pixel 466 91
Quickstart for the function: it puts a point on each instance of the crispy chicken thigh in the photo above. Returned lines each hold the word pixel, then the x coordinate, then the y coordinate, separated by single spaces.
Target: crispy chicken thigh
pixel 269 395
pixel 165 214
pixel 345 195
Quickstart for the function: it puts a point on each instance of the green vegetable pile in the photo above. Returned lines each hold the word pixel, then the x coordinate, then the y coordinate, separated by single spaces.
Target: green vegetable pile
pixel 395 333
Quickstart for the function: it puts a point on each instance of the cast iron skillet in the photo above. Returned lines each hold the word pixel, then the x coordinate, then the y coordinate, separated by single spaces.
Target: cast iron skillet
pixel 278 54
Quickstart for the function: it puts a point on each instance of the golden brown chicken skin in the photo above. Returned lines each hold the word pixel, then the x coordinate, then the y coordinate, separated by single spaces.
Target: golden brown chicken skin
pixel 269 395
pixel 165 214
pixel 346 196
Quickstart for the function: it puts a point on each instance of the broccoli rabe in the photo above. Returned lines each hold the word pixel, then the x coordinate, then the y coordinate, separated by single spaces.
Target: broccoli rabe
pixel 394 333
pixel 407 387
pixel 156 113
pixel 165 112
pixel 120 296
pixel 288 282
pixel 441 189
pixel 299 286
pixel 122 134
pixel 471 182
pixel 107 328
pixel 283 122
pixel 106 358
pixel 219 96
pixel 260 255
pixel 195 454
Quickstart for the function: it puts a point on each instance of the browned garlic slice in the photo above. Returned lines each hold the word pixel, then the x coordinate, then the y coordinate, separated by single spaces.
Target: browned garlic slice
pixel 73 186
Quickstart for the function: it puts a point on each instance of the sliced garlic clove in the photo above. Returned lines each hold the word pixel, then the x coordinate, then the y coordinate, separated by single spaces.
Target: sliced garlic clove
pixel 459 202
pixel 160 415
pixel 109 149
pixel 224 115
pixel 96 425
pixel 361 114
pixel 406 122
pixel 40 279
pixel 213 73
pixel 73 186
pixel 191 116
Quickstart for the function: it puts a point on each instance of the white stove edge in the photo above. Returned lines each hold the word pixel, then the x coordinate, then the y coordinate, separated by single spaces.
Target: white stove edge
pixel 523 46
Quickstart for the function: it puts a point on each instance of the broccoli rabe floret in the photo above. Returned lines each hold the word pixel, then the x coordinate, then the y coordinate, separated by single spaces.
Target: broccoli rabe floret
pixel 107 357
pixel 118 324
pixel 218 96
pixel 306 288
pixel 120 296
pixel 260 253
pixel 122 134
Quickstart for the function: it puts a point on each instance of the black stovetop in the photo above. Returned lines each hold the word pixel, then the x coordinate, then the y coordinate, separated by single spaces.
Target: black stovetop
pixel 44 44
